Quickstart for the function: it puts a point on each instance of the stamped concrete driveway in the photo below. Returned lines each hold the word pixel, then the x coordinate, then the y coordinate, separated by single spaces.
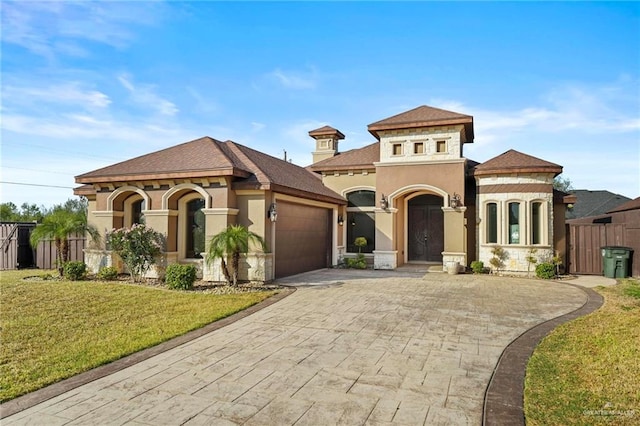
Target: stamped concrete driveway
pixel 353 348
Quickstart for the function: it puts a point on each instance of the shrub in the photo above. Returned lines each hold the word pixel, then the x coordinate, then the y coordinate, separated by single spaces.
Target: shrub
pixel 74 271
pixel 546 270
pixel 180 277
pixel 477 266
pixel 499 256
pixel 107 273
pixel 357 263
pixel 138 247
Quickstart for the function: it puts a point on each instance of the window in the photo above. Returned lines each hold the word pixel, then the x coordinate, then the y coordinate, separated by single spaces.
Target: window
pixel 441 146
pixel 397 149
pixel 361 220
pixel 195 229
pixel 514 223
pixel 536 222
pixel 492 223
pixel 136 212
pixel 418 148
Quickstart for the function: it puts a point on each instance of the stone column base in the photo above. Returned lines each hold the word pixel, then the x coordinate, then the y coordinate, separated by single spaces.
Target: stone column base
pixel 385 259
pixel 450 257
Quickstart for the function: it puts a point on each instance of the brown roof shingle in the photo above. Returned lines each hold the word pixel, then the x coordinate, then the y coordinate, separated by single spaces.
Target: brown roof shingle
pixel 359 158
pixel 424 116
pixel 207 157
pixel 513 161
pixel 326 131
pixel 197 158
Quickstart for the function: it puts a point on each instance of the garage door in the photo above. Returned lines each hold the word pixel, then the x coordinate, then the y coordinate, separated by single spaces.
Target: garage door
pixel 303 239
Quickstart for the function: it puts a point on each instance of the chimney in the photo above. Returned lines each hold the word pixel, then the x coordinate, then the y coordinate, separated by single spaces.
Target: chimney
pixel 326 142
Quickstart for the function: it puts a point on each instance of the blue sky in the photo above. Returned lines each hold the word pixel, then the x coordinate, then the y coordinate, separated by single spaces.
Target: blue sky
pixel 88 84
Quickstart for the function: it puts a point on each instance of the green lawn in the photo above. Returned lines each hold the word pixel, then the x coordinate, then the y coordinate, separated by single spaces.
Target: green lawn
pixel 52 330
pixel 587 372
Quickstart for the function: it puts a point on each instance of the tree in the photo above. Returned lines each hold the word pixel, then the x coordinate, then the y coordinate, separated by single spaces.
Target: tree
pixel 9 212
pixel 562 184
pixel 233 242
pixel 60 223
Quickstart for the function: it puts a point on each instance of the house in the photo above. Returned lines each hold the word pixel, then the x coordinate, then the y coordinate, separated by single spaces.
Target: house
pixel 411 193
pixel 593 203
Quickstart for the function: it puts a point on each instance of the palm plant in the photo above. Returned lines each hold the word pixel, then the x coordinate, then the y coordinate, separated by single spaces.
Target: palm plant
pixel 233 241
pixel 60 223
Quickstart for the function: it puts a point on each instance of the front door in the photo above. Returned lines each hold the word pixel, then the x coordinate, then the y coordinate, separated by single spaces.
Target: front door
pixel 425 229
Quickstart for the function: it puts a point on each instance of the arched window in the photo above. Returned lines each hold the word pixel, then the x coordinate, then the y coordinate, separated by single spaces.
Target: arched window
pixel 361 220
pixel 537 223
pixel 195 229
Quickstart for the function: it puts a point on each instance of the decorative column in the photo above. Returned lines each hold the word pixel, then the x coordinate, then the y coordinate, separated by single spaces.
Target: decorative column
pixel 384 256
pixel 455 237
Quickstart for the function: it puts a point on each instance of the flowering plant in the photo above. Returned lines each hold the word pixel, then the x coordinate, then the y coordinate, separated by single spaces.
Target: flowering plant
pixel 138 247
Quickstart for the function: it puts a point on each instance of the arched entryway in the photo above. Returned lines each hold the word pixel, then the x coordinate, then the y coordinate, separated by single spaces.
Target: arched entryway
pixel 425 228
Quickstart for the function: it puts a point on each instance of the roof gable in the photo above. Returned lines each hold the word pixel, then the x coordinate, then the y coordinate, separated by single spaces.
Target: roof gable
pixel 424 116
pixel 513 161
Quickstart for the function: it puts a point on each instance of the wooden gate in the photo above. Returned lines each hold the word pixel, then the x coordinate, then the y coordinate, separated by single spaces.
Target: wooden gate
pixel 16 252
pixel 585 243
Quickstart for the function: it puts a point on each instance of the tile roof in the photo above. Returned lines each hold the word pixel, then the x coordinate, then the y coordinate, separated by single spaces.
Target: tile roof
pixel 326 131
pixel 424 116
pixel 629 205
pixel 207 157
pixel 594 203
pixel 513 161
pixel 358 158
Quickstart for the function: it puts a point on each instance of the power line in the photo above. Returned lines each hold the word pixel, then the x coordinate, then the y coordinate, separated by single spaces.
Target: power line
pixel 36 184
pixel 38 170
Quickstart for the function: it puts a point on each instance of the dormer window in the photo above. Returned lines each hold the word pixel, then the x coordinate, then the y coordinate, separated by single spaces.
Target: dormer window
pixel 397 149
pixel 418 148
pixel 441 146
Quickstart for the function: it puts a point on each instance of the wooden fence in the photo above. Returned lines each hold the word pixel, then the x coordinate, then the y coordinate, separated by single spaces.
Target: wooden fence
pixel 586 241
pixel 16 251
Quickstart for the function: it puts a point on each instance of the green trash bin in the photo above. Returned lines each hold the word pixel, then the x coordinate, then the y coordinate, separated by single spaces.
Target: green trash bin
pixel 615 261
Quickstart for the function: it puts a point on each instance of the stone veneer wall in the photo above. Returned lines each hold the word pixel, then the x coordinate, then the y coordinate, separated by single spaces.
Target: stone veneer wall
pixel 516 262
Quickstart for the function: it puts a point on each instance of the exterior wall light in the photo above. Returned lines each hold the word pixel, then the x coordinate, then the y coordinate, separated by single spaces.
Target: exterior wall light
pixel 456 201
pixel 384 202
pixel 272 214
pixel 340 220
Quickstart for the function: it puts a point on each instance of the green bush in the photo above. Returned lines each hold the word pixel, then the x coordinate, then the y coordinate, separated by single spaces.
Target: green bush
pixel 107 273
pixel 74 271
pixel 477 266
pixel 180 277
pixel 546 270
pixel 357 263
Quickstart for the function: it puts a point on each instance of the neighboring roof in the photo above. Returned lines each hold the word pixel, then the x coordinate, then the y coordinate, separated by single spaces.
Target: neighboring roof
pixel 629 205
pixel 594 203
pixel 326 131
pixel 353 159
pixel 207 157
pixel 513 161
pixel 424 116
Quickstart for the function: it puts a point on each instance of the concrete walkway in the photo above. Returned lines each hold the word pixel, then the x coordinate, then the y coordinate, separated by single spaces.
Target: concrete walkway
pixel 348 347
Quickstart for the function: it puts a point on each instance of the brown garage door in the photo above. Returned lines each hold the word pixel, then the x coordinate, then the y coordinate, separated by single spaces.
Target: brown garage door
pixel 303 236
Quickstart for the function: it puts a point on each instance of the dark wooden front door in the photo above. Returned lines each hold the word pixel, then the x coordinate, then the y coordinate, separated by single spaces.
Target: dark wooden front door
pixel 425 229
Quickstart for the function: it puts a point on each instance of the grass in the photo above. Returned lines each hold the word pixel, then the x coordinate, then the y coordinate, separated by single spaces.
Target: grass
pixel 52 330
pixel 587 372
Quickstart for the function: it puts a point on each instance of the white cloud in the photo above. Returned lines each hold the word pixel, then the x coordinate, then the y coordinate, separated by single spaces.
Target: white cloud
pixel 70 93
pixel 295 80
pixel 257 127
pixel 51 28
pixel 146 96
